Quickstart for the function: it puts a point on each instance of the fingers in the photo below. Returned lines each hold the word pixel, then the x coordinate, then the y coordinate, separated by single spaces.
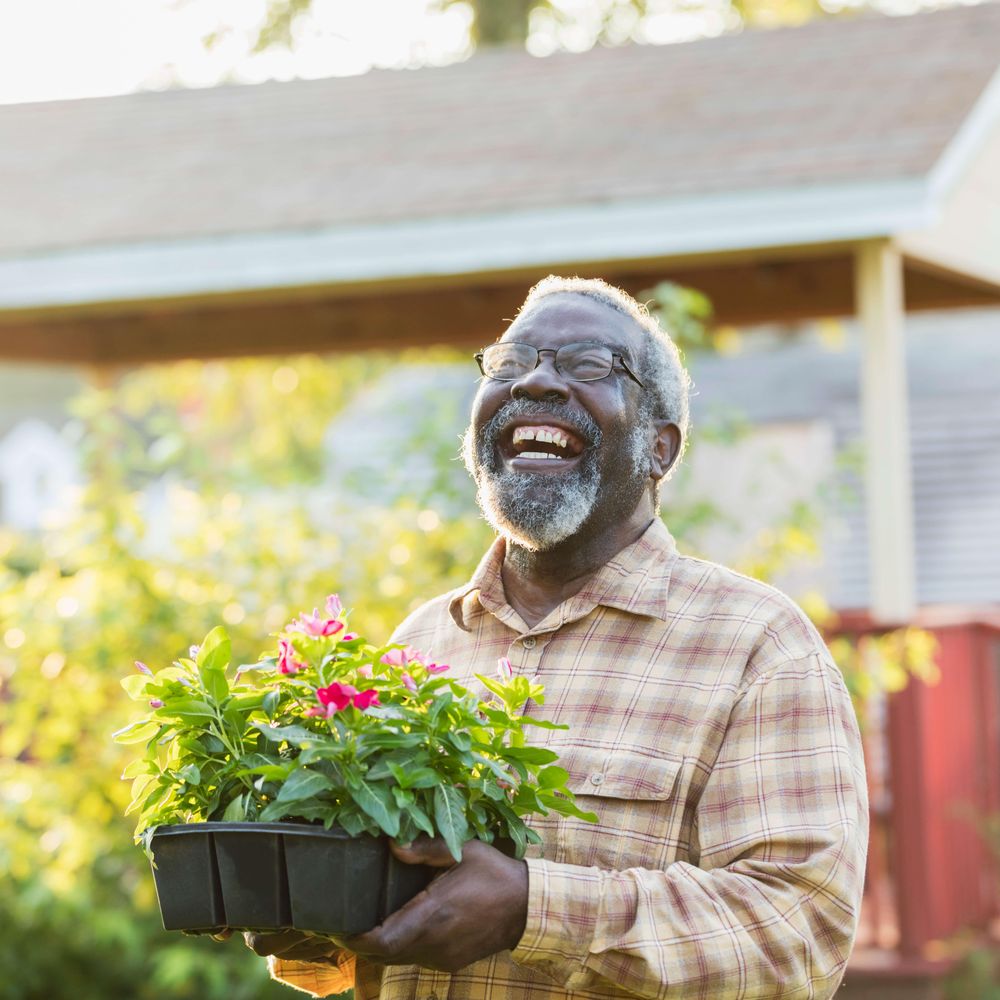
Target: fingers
pixel 293 945
pixel 431 851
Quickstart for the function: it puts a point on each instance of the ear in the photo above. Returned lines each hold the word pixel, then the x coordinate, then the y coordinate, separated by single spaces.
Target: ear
pixel 666 448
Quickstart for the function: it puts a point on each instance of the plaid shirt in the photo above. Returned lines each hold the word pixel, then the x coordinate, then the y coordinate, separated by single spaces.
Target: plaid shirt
pixel 714 737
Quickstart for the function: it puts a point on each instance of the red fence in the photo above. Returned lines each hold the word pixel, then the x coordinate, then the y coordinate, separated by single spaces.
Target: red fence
pixel 934 779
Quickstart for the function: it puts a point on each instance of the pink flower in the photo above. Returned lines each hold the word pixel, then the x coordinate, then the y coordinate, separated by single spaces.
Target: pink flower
pixel 155 703
pixel 408 682
pixel 314 625
pixel 348 636
pixel 396 657
pixel 365 699
pixel 437 668
pixel 142 668
pixel 336 696
pixel 365 670
pixel 504 670
pixel 333 606
pixel 193 652
pixel 287 664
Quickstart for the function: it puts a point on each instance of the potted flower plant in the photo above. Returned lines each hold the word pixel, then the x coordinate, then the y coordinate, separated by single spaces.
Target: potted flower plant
pixel 266 795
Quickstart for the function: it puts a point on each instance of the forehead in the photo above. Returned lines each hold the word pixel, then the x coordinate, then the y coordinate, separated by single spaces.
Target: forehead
pixel 569 317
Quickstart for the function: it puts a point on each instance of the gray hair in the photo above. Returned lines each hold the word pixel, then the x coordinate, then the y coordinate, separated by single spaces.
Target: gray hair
pixel 660 367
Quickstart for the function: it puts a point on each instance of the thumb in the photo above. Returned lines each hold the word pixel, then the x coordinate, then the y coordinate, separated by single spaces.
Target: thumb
pixel 431 851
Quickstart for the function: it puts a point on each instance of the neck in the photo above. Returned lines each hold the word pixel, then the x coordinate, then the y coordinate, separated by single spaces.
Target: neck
pixel 537 582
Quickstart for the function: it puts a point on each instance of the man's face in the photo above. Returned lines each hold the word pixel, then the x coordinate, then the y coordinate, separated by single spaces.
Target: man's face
pixel 602 447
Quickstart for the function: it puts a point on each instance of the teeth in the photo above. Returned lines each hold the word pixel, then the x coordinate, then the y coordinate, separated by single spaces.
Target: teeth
pixel 537 434
pixel 538 454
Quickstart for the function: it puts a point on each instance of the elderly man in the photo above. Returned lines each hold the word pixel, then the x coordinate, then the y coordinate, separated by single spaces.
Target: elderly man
pixel 709 728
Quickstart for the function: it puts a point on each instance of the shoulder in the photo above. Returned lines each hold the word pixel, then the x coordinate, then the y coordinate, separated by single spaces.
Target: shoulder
pixel 763 620
pixel 428 620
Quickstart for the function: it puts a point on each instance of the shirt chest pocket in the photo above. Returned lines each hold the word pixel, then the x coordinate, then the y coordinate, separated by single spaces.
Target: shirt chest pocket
pixel 639 804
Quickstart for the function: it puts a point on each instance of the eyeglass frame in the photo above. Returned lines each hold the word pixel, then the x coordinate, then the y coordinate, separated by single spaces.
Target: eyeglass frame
pixel 554 351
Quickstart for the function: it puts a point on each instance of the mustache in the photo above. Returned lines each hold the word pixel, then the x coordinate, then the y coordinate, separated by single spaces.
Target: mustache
pixel 579 420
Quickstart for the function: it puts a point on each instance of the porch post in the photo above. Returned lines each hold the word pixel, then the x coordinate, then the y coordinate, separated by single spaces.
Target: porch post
pixel 878 284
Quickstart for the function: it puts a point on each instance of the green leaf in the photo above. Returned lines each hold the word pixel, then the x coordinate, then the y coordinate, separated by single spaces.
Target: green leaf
pixel 139 766
pixel 377 802
pixel 274 811
pixel 215 651
pixel 139 787
pixel 552 777
pixel 515 828
pixel 270 772
pixel 185 707
pixel 353 821
pixel 297 736
pixel 414 777
pixel 460 741
pixel 441 702
pixel 235 811
pixel 565 806
pixel 137 732
pixel 449 815
pixel 135 685
pixel 270 703
pixel 212 743
pixel 420 818
pixel 529 720
pixel 191 774
pixel 530 755
pixel 303 784
pixel 492 685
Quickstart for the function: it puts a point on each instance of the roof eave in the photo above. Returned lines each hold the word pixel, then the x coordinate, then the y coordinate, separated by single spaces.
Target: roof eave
pixel 468 245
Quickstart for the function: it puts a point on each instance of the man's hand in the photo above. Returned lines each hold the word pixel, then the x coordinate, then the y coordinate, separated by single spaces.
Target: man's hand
pixel 293 946
pixel 473 910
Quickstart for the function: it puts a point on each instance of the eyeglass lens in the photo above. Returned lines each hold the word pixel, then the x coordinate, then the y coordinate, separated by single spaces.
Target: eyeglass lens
pixel 582 362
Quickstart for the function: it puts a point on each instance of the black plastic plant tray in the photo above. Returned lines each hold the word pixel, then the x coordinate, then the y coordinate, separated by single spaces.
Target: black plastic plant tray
pixel 271 876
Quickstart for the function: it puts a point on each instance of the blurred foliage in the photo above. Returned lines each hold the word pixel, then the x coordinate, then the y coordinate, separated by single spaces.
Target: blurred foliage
pixel 209 496
pixel 508 22
pixel 120 579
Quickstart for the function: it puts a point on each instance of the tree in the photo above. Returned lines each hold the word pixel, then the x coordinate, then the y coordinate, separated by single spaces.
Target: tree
pixel 508 22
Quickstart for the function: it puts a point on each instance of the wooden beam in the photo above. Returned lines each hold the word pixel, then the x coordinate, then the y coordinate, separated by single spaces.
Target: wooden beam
pixel 467 315
pixel 888 488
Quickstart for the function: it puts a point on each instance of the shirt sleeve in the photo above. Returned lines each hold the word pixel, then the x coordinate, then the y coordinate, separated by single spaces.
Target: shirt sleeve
pixel 769 905
pixel 319 980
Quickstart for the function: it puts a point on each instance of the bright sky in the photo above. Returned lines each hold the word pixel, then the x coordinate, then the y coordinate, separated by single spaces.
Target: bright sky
pixel 55 49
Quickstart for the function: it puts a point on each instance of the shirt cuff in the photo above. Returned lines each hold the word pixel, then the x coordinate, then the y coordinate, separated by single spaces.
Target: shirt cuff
pixel 318 980
pixel 564 904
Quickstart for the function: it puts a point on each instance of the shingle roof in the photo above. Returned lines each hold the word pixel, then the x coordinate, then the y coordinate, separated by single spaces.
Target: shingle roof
pixel 829 103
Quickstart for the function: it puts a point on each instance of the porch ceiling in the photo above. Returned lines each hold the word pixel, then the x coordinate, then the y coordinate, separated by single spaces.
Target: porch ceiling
pixel 461 312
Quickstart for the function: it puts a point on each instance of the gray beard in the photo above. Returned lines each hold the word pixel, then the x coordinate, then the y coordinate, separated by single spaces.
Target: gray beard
pixel 536 510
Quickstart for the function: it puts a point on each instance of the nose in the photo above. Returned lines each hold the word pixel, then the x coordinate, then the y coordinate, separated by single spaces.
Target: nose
pixel 542 382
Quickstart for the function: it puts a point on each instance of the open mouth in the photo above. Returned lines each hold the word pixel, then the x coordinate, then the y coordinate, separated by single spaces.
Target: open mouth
pixel 543 446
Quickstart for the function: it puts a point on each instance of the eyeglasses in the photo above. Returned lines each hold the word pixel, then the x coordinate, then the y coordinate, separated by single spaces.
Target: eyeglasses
pixel 508 361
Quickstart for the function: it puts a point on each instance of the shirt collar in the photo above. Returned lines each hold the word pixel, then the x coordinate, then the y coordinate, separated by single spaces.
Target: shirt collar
pixel 636 579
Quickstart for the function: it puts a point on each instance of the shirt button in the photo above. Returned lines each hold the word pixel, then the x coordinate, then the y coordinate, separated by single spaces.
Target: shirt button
pixel 597 778
pixel 528 642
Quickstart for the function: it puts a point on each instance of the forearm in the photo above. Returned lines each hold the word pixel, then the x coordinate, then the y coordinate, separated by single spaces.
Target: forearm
pixel 686 932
